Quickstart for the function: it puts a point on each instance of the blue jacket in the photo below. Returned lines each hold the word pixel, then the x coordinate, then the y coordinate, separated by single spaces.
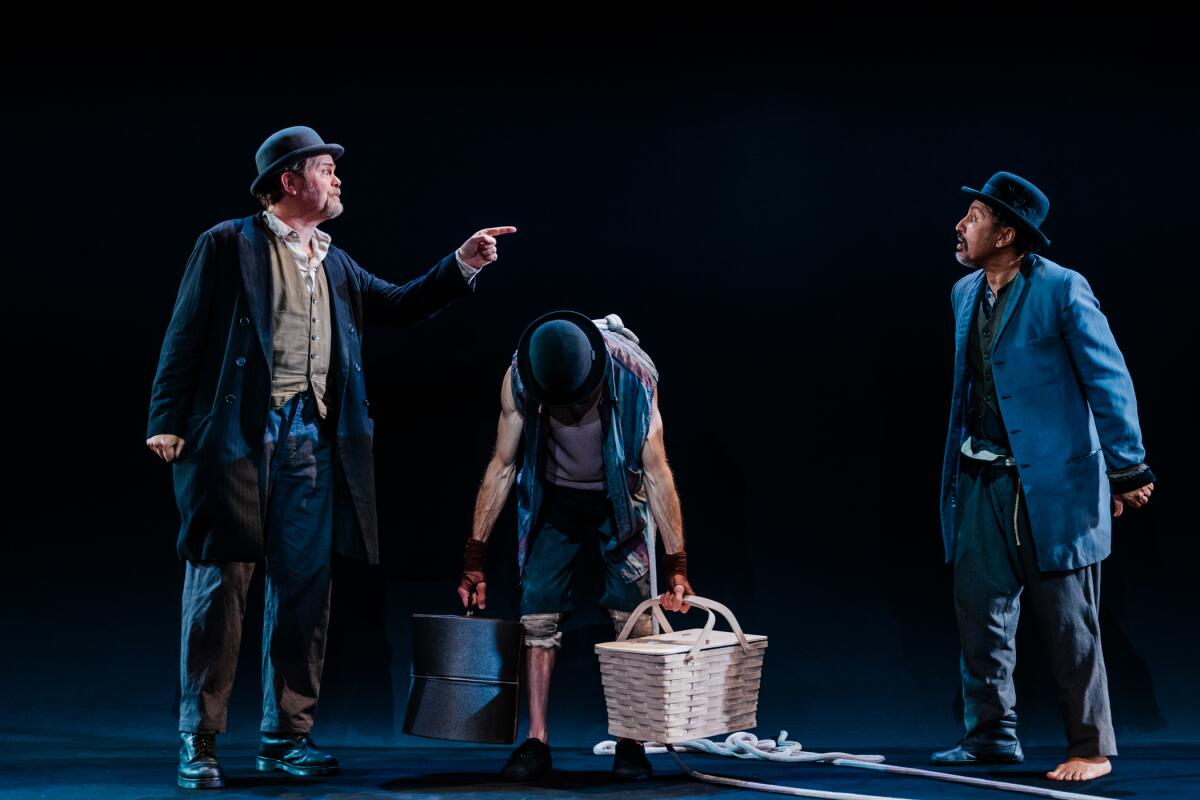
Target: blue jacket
pixel 1067 402
pixel 213 387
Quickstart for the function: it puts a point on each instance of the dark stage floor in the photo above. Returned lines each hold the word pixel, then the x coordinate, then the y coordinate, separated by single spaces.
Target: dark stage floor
pixel 80 768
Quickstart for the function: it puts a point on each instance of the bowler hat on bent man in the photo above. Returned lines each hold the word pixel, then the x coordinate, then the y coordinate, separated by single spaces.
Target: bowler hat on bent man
pixel 1021 199
pixel 561 358
pixel 286 147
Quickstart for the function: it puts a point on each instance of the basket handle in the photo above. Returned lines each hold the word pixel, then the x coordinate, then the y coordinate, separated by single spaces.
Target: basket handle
pixel 701 602
pixel 653 603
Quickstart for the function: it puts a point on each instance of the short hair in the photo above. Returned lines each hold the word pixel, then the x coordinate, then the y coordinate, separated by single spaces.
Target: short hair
pixel 270 191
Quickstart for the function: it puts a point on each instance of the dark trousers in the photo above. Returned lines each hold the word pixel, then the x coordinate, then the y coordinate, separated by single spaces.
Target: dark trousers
pixel 297 471
pixel 995 571
pixel 573 519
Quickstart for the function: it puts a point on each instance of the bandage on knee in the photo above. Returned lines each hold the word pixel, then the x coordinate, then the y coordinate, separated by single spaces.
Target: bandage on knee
pixel 542 630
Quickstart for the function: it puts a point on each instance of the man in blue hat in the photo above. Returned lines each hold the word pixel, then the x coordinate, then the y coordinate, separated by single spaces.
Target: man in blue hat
pixel 260 404
pixel 581 395
pixel 1043 449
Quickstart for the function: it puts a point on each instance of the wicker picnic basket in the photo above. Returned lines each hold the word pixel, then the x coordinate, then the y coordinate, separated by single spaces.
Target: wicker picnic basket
pixel 683 685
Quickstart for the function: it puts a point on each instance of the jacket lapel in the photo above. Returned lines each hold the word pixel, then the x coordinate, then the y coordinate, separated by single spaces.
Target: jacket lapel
pixel 254 247
pixel 339 309
pixel 966 312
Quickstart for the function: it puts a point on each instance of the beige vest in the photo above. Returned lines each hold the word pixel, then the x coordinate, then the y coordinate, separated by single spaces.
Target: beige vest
pixel 302 330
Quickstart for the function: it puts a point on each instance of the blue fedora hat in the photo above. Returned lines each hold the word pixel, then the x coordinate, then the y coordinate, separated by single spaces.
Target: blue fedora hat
pixel 561 358
pixel 287 146
pixel 1020 198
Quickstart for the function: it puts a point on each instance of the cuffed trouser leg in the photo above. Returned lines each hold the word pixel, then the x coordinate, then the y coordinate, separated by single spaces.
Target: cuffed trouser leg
pixel 542 630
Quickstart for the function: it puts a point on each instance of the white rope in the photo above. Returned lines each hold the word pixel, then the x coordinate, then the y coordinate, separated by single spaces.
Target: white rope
pixel 744 744
pixel 795 791
pixel 615 324
pixel 1057 794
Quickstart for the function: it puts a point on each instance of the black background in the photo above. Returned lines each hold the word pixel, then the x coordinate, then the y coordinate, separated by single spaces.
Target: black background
pixel 771 209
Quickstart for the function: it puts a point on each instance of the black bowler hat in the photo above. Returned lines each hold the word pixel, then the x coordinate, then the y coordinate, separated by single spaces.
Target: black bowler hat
pixel 1018 197
pixel 561 358
pixel 287 146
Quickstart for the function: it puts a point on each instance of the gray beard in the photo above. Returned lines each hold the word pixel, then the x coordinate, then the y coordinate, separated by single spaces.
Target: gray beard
pixel 964 261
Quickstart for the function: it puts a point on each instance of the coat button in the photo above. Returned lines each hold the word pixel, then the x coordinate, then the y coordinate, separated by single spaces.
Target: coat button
pixel 366 402
pixel 244 321
pixel 352 328
pixel 241 362
pixel 312 355
pixel 357 368
pixel 229 399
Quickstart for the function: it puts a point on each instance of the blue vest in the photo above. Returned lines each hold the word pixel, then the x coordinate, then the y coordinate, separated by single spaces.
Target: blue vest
pixel 625 406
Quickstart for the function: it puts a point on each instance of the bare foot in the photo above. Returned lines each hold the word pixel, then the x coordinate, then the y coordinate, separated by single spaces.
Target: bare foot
pixel 1081 769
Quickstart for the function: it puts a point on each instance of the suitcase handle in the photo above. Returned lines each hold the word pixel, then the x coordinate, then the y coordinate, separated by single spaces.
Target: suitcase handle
pixel 702 602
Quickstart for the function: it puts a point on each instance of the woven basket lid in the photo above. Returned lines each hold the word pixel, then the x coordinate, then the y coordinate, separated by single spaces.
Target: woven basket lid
pixel 666 644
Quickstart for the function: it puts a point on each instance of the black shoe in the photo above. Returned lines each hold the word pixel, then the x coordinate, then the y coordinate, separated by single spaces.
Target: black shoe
pixel 198 765
pixel 295 754
pixel 965 754
pixel 528 762
pixel 630 762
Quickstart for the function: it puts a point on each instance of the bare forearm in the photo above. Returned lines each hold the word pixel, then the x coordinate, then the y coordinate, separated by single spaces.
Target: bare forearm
pixel 664 505
pixel 497 482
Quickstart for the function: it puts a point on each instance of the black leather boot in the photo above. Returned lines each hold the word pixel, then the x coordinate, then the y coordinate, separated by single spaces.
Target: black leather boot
pixel 295 754
pixel 198 765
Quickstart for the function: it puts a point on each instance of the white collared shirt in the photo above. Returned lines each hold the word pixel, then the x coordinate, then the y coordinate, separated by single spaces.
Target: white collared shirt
pixel 306 263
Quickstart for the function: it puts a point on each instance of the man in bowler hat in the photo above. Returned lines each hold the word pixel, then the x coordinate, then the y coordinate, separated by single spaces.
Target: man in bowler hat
pixel 1043 450
pixel 582 397
pixel 260 405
